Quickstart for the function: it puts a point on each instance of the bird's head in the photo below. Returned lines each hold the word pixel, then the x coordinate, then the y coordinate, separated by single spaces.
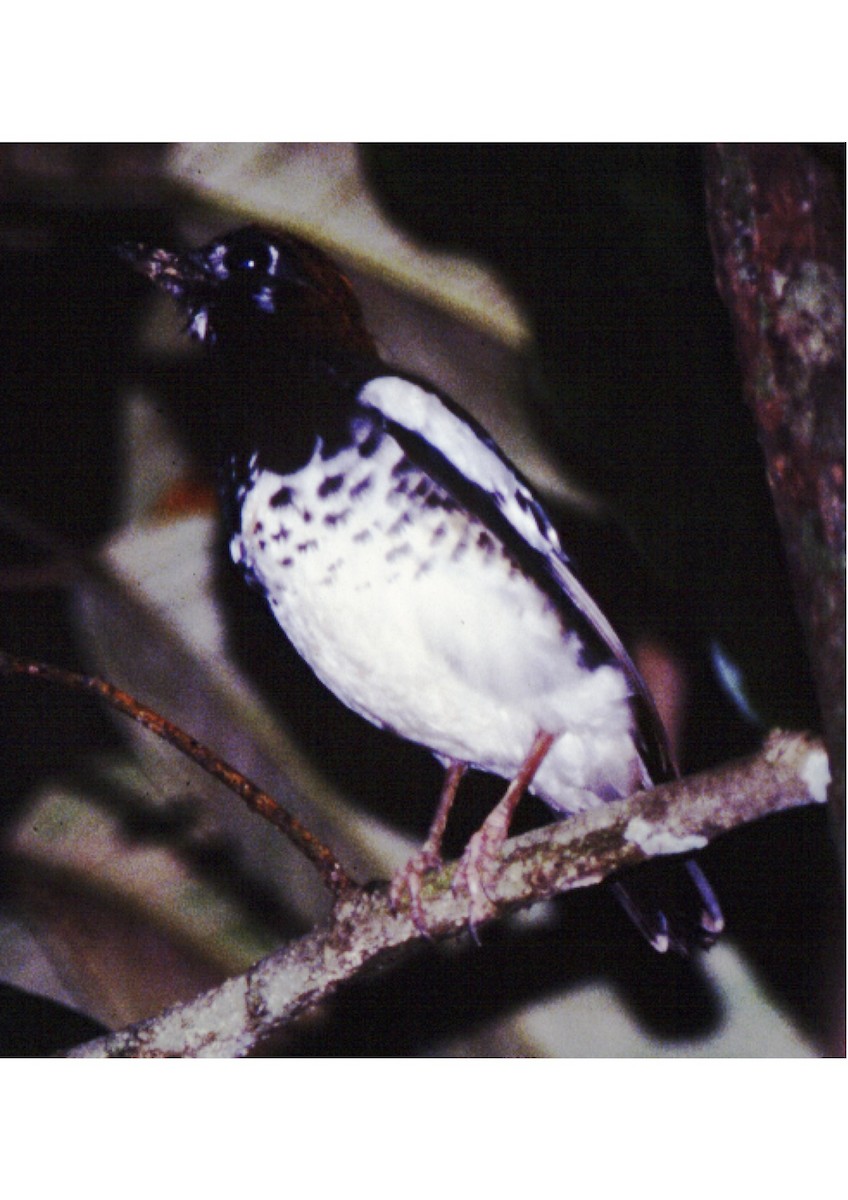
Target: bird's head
pixel 252 286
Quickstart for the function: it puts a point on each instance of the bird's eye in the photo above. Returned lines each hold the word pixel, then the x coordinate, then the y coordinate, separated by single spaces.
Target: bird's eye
pixel 250 254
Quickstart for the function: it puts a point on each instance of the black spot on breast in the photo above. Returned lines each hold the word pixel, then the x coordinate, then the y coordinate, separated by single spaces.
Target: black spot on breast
pixel 402 467
pixel 311 544
pixel 359 489
pixel 332 519
pixel 331 485
pixel 486 542
pixel 364 535
pixel 281 534
pixel 281 498
pixel 396 526
pixel 437 499
pixel 399 552
pixel 286 562
pixel 421 488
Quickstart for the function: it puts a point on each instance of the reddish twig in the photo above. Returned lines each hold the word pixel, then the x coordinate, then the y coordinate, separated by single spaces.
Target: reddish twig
pixel 335 877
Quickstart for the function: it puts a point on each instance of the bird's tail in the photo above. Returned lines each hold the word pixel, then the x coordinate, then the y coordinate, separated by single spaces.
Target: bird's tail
pixel 672 904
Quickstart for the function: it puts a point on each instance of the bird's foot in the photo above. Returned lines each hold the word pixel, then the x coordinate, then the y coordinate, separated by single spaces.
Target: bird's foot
pixel 407 883
pixel 409 880
pixel 478 868
pixel 477 872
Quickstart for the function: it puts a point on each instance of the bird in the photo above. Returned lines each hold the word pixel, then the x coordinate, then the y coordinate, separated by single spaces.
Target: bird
pixel 412 566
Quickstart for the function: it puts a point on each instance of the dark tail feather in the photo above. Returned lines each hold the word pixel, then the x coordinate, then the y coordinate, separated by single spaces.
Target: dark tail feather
pixel 672 905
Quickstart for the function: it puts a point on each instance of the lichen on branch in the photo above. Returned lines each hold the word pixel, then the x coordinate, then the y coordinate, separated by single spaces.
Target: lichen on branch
pixel 236 1018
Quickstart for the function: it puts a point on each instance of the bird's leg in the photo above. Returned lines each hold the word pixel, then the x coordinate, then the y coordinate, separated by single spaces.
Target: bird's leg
pixel 483 850
pixel 429 858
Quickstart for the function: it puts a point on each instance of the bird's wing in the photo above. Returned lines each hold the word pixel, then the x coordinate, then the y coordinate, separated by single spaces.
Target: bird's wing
pixel 445 442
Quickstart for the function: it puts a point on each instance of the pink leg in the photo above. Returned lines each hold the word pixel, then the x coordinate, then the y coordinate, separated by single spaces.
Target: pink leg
pixel 429 858
pixel 479 862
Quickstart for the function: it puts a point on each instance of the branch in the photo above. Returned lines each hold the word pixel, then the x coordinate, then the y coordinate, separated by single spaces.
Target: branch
pixel 335 877
pixel 776 222
pixel 233 1020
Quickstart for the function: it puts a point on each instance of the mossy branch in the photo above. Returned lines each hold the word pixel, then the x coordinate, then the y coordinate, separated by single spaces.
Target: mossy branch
pixel 235 1019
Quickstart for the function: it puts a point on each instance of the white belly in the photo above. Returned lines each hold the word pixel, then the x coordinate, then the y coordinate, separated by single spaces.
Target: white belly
pixel 413 616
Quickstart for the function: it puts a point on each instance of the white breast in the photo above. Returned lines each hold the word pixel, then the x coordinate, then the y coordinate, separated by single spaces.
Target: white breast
pixel 411 613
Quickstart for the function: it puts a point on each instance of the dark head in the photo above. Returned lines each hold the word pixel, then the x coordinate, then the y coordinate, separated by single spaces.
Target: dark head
pixel 252 286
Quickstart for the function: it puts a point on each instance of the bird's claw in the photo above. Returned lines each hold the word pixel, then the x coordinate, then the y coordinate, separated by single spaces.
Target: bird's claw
pixel 475 878
pixel 407 883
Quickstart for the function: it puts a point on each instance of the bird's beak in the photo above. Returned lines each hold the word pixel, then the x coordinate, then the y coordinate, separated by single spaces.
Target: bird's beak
pixel 174 273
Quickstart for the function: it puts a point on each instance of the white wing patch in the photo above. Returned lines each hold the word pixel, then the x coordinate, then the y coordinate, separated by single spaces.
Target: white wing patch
pixel 422 412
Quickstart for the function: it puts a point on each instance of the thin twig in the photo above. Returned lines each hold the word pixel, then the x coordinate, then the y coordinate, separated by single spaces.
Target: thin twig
pixel 335 877
pixel 233 1020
